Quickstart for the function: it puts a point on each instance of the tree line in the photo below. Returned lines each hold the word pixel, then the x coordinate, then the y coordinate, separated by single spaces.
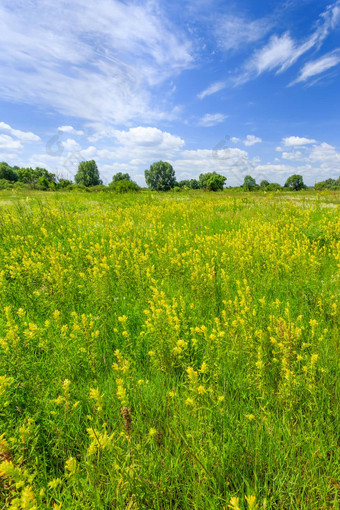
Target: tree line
pixel 159 177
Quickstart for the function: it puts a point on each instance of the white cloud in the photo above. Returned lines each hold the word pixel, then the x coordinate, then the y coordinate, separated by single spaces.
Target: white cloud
pixel 296 141
pixel 318 66
pixel 71 130
pixel 148 137
pixel 211 119
pixel 294 156
pixel 231 162
pixel 71 145
pixel 281 52
pixel 212 89
pixel 25 136
pixel 252 140
pixel 101 65
pixel 234 32
pixel 234 139
pixel 8 144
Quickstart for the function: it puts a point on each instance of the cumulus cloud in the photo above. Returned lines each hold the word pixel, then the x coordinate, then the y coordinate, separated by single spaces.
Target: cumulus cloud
pixel 25 136
pixel 7 143
pixel 252 140
pixel 71 130
pixel 296 141
pixel 71 145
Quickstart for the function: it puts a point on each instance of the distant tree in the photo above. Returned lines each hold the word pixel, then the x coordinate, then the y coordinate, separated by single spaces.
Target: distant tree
pixel 195 184
pixel 160 176
pixel 264 184
pixel 7 172
pixel 249 183
pixel 189 183
pixel 124 186
pixel 212 181
pixel 31 176
pixel 121 177
pixel 87 174
pixel 64 183
pixel 328 184
pixel 273 186
pixel 295 182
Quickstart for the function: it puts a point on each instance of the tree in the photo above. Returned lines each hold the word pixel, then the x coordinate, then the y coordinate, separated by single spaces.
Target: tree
pixel 121 177
pixel 31 176
pixel 249 183
pixel 7 172
pixel 160 176
pixel 295 182
pixel 264 184
pixel 87 174
pixel 212 181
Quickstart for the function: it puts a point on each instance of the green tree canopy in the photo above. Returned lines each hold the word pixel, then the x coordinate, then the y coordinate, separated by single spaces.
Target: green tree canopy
pixel 88 174
pixel 31 176
pixel 264 183
pixel 160 176
pixel 121 177
pixel 249 183
pixel 212 181
pixel 7 172
pixel 295 182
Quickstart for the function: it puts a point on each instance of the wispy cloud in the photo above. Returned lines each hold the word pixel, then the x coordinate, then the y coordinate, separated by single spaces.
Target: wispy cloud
pixel 319 66
pixel 212 89
pixel 212 119
pixel 282 51
pixel 235 32
pixel 95 60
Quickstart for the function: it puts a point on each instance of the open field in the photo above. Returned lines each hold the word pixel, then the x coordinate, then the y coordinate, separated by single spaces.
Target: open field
pixel 169 351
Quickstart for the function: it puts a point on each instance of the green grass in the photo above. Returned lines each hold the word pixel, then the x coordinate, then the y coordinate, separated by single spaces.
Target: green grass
pixel 169 351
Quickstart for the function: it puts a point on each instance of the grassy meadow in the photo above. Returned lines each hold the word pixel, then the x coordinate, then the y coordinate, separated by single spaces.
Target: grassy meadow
pixel 169 351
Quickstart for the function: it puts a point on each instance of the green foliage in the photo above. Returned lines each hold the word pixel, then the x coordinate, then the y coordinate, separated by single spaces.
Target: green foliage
pixel 273 186
pixel 249 183
pixel 212 181
pixel 7 172
pixel 160 176
pixel 295 182
pixel 5 184
pixel 88 174
pixel 31 176
pixel 189 183
pixel 64 183
pixel 122 186
pixel 121 177
pixel 332 184
pixel 264 184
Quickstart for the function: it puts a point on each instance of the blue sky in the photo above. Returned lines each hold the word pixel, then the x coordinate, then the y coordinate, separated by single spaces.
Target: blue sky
pixel 237 87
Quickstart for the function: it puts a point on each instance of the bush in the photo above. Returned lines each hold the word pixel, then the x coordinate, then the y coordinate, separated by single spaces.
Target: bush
pixel 4 184
pixel 124 186
pixel 273 186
